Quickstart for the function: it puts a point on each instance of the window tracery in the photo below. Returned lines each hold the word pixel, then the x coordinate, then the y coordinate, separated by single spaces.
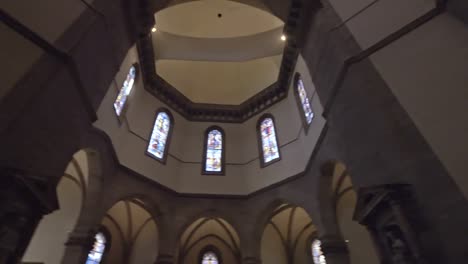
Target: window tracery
pixel 158 144
pixel 268 140
pixel 317 253
pixel 209 257
pixel 214 151
pixel 125 90
pixel 97 252
pixel 303 101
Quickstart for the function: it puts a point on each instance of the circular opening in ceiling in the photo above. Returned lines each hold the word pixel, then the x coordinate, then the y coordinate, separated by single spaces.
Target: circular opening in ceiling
pixel 220 15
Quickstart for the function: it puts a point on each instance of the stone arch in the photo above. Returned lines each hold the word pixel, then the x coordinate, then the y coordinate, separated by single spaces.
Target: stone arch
pixel 133 226
pixel 209 230
pixel 285 235
pixel 72 193
pixel 338 198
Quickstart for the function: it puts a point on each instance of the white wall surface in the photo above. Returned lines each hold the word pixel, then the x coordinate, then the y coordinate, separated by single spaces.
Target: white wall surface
pixel 243 173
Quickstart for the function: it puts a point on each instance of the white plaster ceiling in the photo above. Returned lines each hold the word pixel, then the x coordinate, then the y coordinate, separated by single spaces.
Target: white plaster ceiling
pixel 200 19
pixel 220 82
pixel 218 60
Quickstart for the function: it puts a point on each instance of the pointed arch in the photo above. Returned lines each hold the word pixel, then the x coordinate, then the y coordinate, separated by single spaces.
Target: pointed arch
pixel 268 140
pixel 214 151
pixel 160 138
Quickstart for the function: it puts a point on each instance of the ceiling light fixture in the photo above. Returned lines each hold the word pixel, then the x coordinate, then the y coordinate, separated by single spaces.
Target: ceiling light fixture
pixel 283 37
pixel 153 29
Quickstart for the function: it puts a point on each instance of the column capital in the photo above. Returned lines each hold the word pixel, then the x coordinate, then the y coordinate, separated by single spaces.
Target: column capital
pixel 332 245
pixel 85 239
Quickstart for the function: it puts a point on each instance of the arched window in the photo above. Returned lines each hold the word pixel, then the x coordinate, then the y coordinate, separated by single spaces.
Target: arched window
pixel 303 101
pixel 160 137
pixel 209 257
pixel 268 140
pixel 317 253
pixel 213 160
pixel 97 252
pixel 125 90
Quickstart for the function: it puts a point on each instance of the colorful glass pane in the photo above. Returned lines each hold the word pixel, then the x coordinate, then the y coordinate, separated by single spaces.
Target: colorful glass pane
pixel 304 102
pixel 158 140
pixel 214 151
pixel 95 255
pixel 125 91
pixel 317 252
pixel 209 258
pixel 269 144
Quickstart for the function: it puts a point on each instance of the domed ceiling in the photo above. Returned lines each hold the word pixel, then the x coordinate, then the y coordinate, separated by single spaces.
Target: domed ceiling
pixel 217 51
pixel 218 60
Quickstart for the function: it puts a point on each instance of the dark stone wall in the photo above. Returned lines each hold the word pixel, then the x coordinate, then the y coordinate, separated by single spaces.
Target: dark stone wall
pixel 48 117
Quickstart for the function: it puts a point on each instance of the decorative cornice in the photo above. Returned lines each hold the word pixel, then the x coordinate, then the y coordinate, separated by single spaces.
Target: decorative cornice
pixel 156 85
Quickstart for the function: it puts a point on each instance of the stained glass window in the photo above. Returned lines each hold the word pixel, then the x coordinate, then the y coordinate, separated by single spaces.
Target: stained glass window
pixel 159 136
pixel 96 253
pixel 214 151
pixel 209 258
pixel 127 86
pixel 317 253
pixel 304 100
pixel 268 139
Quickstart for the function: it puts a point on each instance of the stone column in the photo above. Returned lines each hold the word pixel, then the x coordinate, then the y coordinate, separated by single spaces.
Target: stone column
pixel 168 226
pixel 250 245
pixel 78 247
pixel 251 260
pixel 335 250
pixel 165 259
pixel 24 199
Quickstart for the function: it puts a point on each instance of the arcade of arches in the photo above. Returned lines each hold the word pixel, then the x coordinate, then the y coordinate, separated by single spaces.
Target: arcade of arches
pixel 234 132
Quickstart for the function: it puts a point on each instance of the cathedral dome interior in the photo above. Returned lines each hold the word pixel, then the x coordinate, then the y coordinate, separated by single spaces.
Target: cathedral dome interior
pixel 234 132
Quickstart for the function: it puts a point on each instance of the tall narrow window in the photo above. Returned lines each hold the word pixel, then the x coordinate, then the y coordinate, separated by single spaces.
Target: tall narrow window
pixel 268 140
pixel 303 100
pixel 97 252
pixel 214 151
pixel 160 137
pixel 209 257
pixel 125 90
pixel 317 253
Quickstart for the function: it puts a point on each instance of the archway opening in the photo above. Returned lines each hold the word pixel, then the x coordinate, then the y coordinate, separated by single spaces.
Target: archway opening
pixel 48 242
pixel 133 231
pixel 344 198
pixel 212 235
pixel 288 235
